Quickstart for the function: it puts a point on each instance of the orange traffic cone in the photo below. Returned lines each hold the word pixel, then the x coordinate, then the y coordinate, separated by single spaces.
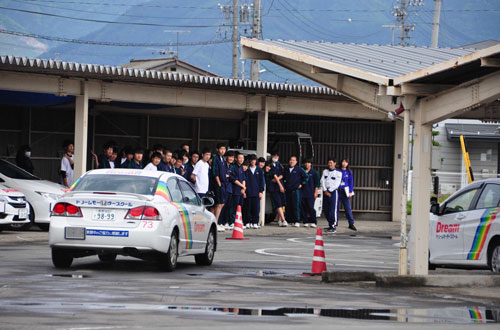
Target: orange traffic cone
pixel 318 264
pixel 238 226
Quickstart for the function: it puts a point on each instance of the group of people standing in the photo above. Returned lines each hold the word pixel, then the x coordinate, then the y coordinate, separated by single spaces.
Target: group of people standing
pixel 234 179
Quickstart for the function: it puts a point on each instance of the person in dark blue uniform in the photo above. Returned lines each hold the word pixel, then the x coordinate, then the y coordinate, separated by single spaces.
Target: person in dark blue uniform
pixel 189 167
pixel 294 177
pixel 136 161
pixel 165 162
pixel 276 188
pixel 224 216
pixel 219 170
pixel 346 191
pixel 238 180
pixel 308 194
pixel 254 192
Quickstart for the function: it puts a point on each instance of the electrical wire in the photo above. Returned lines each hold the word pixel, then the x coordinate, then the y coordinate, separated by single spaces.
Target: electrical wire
pixel 113 14
pixel 121 4
pixel 111 43
pixel 109 22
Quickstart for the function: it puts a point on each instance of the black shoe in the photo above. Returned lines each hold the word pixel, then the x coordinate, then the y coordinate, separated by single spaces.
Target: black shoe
pixel 351 227
pixel 331 230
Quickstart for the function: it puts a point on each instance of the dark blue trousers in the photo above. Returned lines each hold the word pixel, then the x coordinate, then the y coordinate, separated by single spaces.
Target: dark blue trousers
pixel 252 209
pixel 331 208
pixel 344 199
pixel 307 210
pixel 225 213
pixel 292 209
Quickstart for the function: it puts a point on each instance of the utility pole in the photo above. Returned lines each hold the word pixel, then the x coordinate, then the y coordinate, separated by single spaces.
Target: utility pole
pixel 435 24
pixel 401 12
pixel 235 39
pixel 256 25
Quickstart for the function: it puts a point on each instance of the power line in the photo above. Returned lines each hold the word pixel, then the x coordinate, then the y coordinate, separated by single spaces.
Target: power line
pixel 107 22
pixel 111 43
pixel 113 14
pixel 120 4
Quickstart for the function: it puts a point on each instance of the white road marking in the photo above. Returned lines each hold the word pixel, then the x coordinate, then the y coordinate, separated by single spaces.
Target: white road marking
pixel 23 239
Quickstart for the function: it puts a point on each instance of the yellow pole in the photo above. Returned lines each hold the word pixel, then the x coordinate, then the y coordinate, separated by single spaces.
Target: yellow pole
pixel 468 166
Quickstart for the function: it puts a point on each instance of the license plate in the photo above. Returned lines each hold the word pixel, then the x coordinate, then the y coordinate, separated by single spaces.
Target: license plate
pixel 103 215
pixel 74 233
pixel 23 213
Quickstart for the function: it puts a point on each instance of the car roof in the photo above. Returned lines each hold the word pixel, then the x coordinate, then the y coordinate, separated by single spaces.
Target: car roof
pixel 131 172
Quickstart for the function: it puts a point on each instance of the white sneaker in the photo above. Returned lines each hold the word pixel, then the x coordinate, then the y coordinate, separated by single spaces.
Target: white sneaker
pixel 226 226
pixel 280 223
pixel 306 225
pixel 313 225
pixel 257 226
pixel 254 226
pixel 220 228
pixel 231 226
pixel 285 224
pixel 297 224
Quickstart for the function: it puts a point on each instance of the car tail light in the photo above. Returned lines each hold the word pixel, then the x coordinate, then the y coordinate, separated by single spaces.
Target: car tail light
pixel 150 213
pixel 143 213
pixel 66 210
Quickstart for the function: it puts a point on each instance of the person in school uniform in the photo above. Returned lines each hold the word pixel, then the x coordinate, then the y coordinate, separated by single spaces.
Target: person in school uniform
pixel 179 166
pixel 165 162
pixel 189 167
pixel 225 215
pixel 136 161
pixel 346 191
pixel 276 188
pixel 308 194
pixel 254 191
pixel 294 177
pixel 219 170
pixel 238 181
pixel 330 181
pixel 244 207
pixel 201 173
pixel 66 169
pixel 155 161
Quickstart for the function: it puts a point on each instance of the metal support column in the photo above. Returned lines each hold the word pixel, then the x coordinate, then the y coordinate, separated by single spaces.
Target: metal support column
pixel 403 249
pixel 81 129
pixel 262 128
pixel 397 182
pixel 421 194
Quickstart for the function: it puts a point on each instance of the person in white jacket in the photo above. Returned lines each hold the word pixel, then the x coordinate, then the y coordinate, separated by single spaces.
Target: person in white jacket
pixel 330 181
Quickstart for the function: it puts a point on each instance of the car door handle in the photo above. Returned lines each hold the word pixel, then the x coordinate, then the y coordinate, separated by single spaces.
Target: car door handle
pixel 193 212
pixel 460 216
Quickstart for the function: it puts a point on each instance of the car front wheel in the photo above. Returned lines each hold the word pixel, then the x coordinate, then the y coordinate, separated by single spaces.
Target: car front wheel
pixel 61 258
pixel 207 258
pixel 495 260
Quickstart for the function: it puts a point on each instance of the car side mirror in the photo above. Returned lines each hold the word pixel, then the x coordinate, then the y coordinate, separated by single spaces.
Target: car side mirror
pixel 435 208
pixel 207 201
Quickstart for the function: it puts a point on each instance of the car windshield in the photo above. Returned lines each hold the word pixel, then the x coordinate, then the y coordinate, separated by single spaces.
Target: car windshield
pixel 134 184
pixel 12 171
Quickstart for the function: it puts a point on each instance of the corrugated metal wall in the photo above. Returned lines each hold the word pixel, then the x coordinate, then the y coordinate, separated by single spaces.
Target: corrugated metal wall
pixel 368 144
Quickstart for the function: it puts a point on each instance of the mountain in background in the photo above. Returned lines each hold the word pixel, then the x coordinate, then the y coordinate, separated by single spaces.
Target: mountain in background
pixel 348 21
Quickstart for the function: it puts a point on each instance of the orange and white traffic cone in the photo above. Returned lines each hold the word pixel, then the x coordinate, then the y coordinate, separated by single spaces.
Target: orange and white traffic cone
pixel 318 264
pixel 238 226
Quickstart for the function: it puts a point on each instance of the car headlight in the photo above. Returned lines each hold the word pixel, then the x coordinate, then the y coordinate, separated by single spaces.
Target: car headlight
pixel 47 195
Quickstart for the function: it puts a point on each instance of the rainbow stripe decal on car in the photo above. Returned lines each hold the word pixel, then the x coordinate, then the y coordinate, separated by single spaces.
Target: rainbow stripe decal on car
pixel 74 184
pixel 161 190
pixel 482 232
pixel 475 315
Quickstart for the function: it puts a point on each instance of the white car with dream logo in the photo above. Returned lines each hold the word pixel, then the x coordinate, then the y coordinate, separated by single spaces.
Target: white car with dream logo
pixel 13 207
pixel 465 229
pixel 137 213
pixel 40 194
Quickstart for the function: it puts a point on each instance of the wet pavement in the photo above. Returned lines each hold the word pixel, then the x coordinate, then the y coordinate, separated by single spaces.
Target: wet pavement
pixel 252 284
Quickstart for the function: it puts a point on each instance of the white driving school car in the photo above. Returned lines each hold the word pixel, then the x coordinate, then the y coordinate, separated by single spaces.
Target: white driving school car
pixel 13 207
pixel 465 231
pixel 143 214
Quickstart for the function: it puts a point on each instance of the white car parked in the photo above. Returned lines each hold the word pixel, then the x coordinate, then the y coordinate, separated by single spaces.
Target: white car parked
pixel 137 213
pixel 465 231
pixel 13 207
pixel 40 194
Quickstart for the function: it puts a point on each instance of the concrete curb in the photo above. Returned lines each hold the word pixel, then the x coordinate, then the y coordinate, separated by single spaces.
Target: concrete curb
pixel 396 281
pixel 444 281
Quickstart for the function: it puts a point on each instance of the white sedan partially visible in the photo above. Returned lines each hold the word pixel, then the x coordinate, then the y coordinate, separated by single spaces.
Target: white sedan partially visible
pixel 137 213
